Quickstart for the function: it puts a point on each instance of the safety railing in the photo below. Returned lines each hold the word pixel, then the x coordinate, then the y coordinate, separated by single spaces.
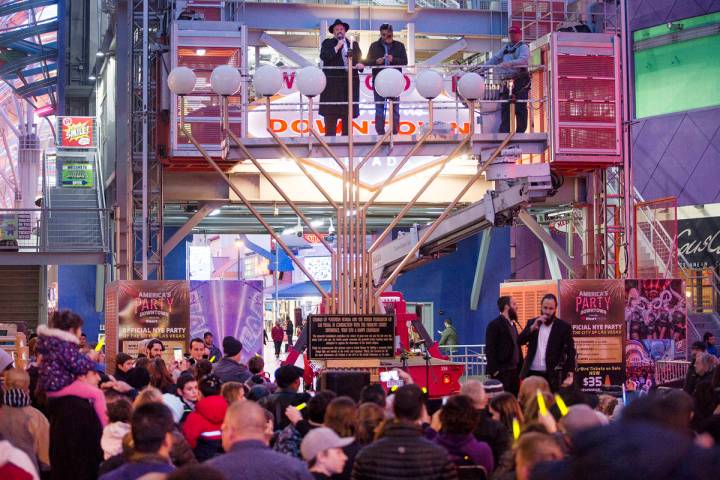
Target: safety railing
pixel 472 357
pixel 658 233
pixel 290 111
pixel 482 5
pixel 670 371
pixel 47 230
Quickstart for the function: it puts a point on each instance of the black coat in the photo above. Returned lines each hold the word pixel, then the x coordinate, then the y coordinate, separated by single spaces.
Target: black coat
pixel 336 89
pixel 377 50
pixel 499 347
pixel 75 433
pixel 402 453
pixel 560 348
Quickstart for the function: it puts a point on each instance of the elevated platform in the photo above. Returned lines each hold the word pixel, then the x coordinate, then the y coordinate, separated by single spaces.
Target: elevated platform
pixel 227 155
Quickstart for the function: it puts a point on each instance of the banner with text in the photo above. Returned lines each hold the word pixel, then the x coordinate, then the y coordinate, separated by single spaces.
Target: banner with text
pixel 594 309
pixel 153 309
pixel 351 336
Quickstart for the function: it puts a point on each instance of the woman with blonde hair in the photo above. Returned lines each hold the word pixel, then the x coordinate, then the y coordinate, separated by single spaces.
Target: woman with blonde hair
pixel 529 388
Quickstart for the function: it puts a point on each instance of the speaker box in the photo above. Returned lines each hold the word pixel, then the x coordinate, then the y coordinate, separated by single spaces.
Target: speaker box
pixel 345 382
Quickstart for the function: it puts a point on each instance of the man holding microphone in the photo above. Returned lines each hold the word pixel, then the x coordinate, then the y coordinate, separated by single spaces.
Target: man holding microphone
pixel 551 350
pixel 335 54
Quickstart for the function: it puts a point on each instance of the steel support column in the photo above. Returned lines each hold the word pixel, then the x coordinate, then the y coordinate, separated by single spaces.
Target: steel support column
pixel 546 239
pixel 480 268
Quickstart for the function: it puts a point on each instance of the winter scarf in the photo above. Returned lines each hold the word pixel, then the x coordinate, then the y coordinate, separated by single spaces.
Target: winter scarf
pixel 15 397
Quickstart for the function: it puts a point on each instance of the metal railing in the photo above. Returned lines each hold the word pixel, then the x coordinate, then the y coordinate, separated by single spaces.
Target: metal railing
pixel 669 371
pixel 47 230
pixel 657 229
pixel 482 5
pixel 472 357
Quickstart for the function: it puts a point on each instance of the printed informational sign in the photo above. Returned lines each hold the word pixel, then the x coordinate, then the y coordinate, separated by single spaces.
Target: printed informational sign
pixel 16 226
pixel 153 309
pixel 351 336
pixel 656 324
pixel 76 132
pixel 77 175
pixel 594 308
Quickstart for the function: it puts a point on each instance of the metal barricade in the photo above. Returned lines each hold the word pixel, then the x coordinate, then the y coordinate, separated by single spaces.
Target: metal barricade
pixel 472 357
pixel 670 371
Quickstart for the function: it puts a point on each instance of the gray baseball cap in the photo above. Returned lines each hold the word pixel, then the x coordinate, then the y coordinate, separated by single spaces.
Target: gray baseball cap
pixel 321 439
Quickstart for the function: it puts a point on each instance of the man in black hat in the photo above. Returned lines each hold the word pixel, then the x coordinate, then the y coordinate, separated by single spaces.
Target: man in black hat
pixel 382 53
pixel 288 379
pixel 229 369
pixel 335 54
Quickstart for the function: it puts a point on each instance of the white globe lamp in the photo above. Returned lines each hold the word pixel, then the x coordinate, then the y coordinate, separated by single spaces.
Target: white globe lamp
pixel 267 80
pixel 225 80
pixel 471 86
pixel 181 80
pixel 429 84
pixel 389 83
pixel 311 81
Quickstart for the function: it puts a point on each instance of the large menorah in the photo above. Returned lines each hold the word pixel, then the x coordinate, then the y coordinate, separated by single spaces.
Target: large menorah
pixel 352 287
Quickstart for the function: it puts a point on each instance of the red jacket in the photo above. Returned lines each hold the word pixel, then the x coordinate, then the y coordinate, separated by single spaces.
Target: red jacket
pixel 208 417
pixel 277 334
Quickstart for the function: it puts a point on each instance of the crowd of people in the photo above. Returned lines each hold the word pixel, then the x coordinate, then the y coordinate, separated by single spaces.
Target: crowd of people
pixel 64 417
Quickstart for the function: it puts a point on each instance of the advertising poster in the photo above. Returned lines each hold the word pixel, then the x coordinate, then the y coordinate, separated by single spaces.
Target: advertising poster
pixel 228 307
pixel 594 308
pixel 76 132
pixel 656 325
pixel 153 309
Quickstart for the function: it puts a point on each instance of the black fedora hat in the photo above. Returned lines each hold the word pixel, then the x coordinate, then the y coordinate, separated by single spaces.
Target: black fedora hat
pixel 338 22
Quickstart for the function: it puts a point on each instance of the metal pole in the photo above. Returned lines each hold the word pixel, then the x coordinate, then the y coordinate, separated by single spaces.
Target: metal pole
pixel 277 279
pixel 145 142
pixel 245 75
pixel 351 171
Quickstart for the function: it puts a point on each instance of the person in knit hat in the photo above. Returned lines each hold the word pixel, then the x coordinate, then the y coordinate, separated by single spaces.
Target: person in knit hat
pixel 23 425
pixel 229 369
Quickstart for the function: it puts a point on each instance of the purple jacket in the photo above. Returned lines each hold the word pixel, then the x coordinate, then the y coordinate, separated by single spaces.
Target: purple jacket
pixel 62 361
pixel 466 450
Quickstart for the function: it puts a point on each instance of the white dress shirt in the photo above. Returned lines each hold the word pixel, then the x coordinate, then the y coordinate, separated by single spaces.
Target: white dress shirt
pixel 539 363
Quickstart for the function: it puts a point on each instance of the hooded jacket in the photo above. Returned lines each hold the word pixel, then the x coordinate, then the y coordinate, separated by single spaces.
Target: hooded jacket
pixel 208 417
pixel 62 361
pixel 228 370
pixel 466 450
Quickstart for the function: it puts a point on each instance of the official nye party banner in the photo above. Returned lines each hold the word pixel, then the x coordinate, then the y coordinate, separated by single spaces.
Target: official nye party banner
pixel 228 307
pixel 152 309
pixel 594 309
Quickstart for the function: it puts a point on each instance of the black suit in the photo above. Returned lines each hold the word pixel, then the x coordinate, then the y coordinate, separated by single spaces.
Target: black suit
pixel 499 350
pixel 560 353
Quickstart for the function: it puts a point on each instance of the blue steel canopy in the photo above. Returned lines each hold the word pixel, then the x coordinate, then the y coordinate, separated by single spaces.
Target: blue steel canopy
pixel 28 49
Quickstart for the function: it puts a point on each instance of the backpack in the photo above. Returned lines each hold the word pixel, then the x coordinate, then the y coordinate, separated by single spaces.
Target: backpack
pixel 288 442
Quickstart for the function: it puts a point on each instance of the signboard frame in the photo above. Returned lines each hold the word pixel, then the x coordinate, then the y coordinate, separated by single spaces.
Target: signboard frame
pixel 344 331
pixel 76 132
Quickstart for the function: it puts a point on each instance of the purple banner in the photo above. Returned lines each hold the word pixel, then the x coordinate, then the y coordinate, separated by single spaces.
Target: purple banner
pixel 228 307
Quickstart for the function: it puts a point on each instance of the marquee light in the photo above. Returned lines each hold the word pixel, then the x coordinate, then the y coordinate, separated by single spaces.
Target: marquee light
pixel 429 84
pixel 311 81
pixel 471 86
pixel 225 80
pixel 267 80
pixel 181 80
pixel 389 83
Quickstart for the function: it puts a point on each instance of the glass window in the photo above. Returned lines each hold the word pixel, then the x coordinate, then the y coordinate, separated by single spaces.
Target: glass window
pixel 677 66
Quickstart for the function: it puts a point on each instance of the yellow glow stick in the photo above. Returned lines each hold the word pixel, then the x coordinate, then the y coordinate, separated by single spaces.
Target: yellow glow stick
pixel 516 428
pixel 561 405
pixel 301 406
pixel 212 359
pixel 541 403
pixel 100 344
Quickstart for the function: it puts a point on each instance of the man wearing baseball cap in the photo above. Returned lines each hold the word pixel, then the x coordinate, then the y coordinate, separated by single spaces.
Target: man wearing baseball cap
pixel 322 449
pixel 512 61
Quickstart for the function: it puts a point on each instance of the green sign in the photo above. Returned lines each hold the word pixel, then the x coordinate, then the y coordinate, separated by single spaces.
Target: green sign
pixel 78 175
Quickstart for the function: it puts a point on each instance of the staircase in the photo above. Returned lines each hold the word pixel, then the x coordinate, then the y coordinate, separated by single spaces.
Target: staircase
pixel 74 221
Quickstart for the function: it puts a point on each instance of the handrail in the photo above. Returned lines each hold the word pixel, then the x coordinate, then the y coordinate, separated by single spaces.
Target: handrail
pixel 682 260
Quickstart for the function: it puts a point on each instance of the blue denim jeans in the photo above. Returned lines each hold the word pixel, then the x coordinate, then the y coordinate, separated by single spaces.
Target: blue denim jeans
pixel 380 104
